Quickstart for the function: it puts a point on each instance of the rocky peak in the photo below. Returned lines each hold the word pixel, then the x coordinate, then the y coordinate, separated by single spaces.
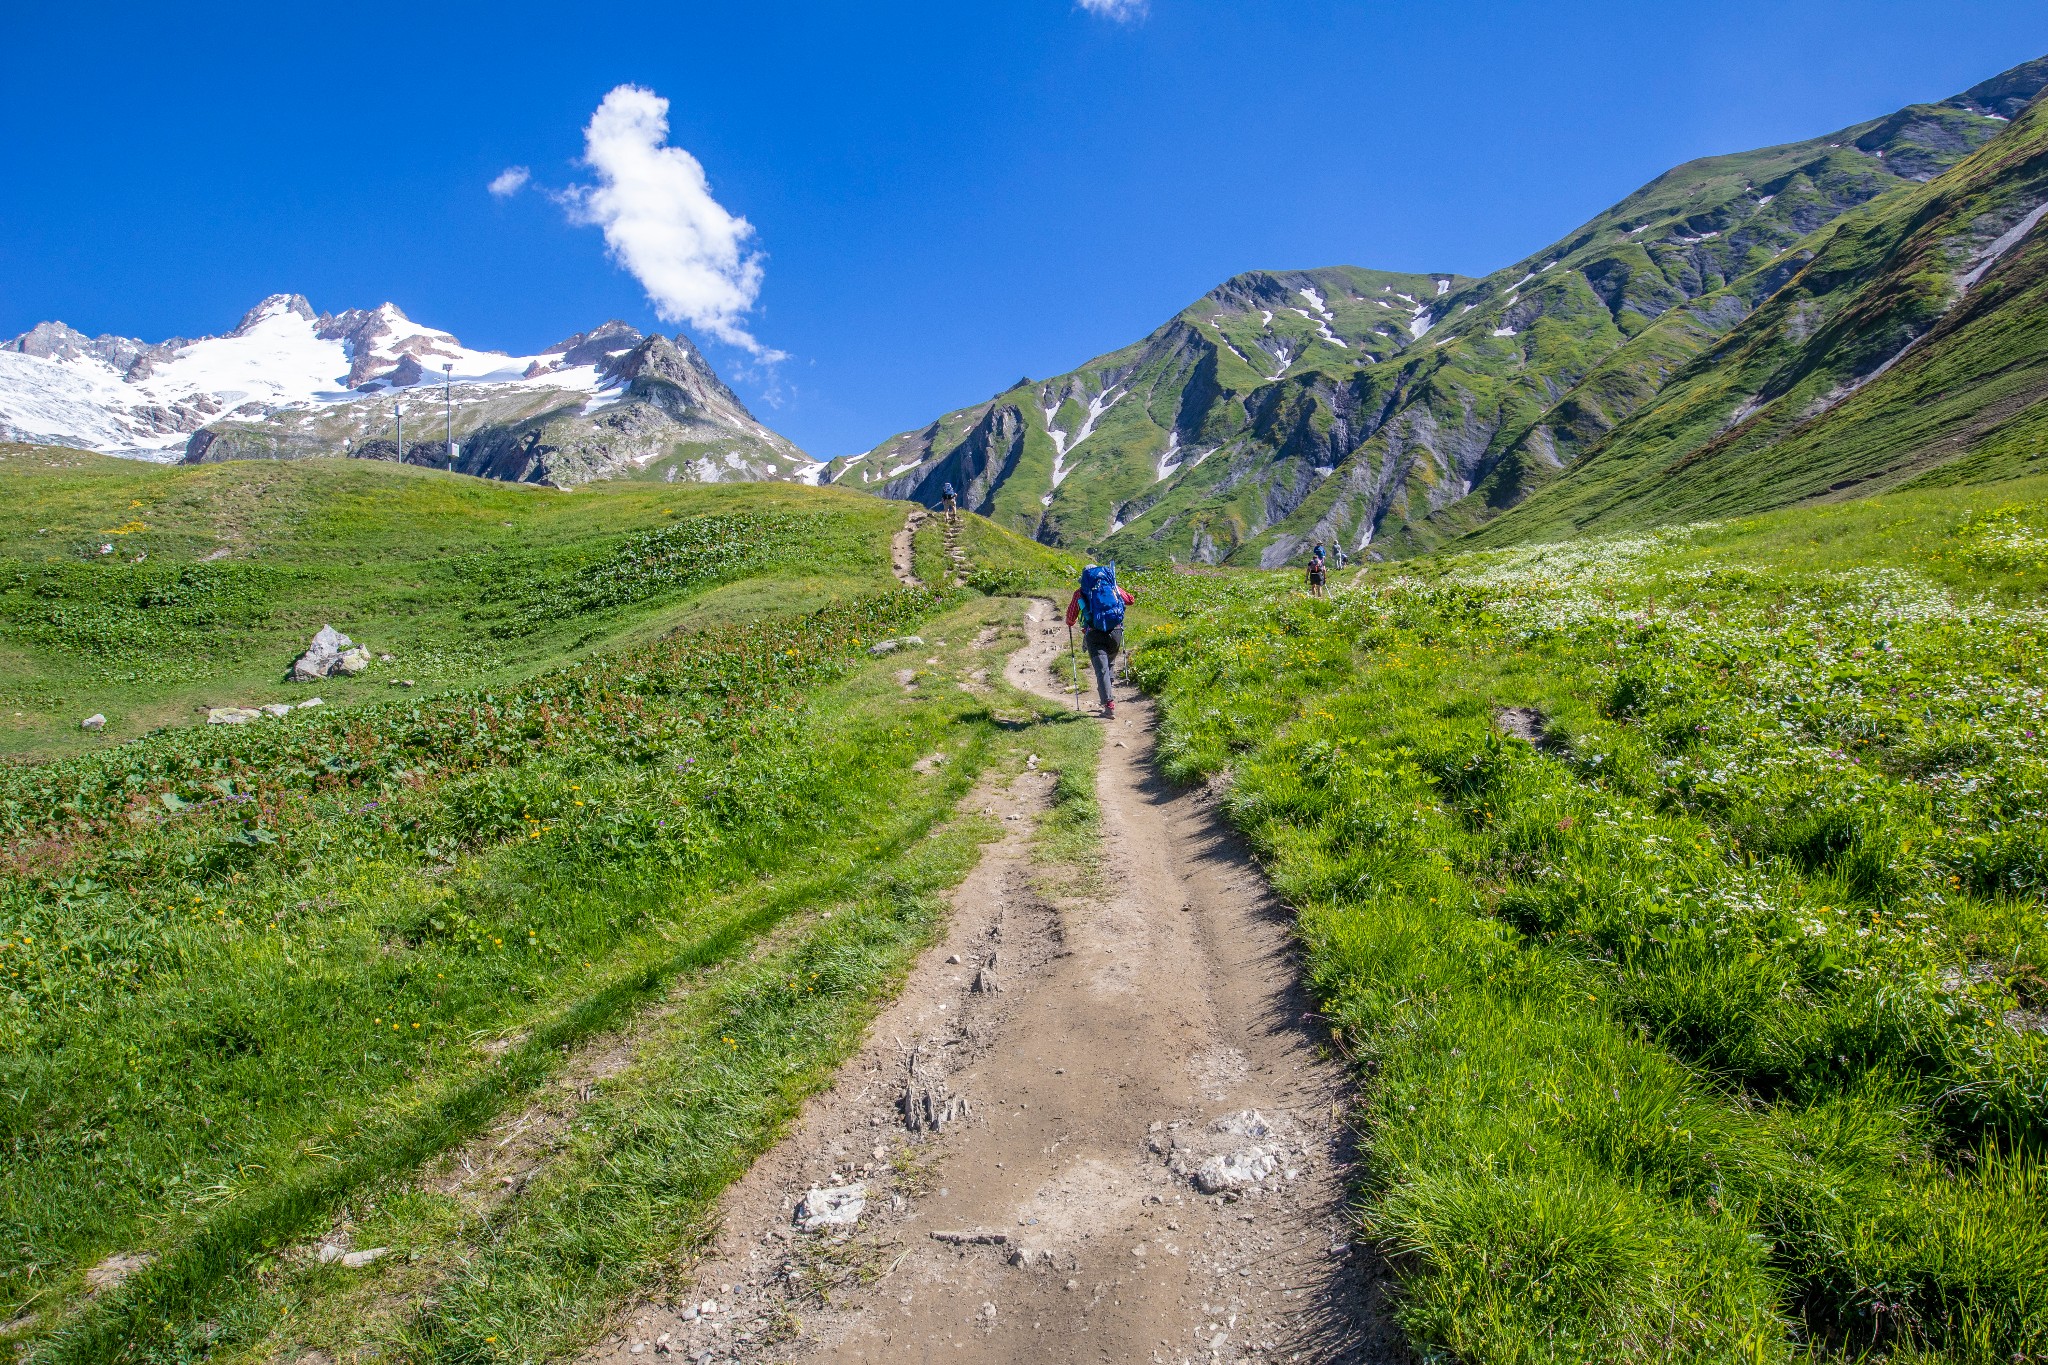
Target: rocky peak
pixel 376 352
pixel 1252 291
pixel 660 358
pixel 55 341
pixel 675 364
pixel 52 341
pixel 593 347
pixel 2004 95
pixel 277 305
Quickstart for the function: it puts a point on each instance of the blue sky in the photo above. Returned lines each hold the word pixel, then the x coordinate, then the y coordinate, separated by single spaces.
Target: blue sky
pixel 943 196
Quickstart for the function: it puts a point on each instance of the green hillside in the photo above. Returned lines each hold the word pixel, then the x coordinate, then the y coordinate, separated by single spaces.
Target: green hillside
pixel 1678 898
pixel 1168 422
pixel 652 795
pixel 1916 335
pixel 219 575
pixel 1390 413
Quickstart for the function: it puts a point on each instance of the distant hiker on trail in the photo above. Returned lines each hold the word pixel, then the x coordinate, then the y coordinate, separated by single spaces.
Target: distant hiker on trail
pixel 1342 558
pixel 1099 605
pixel 952 503
pixel 1318 570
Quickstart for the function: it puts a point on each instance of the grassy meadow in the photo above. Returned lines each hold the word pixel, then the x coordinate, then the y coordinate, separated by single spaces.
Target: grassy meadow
pixel 220 574
pixel 1679 897
pixel 637 862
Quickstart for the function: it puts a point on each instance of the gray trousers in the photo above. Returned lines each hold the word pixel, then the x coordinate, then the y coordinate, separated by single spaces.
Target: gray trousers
pixel 1103 646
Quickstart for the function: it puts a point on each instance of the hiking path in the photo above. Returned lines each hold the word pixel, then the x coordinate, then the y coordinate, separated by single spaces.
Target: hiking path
pixel 1099 1123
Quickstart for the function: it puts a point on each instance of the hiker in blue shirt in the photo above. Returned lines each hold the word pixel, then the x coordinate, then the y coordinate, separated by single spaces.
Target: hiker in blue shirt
pixel 952 503
pixel 1099 605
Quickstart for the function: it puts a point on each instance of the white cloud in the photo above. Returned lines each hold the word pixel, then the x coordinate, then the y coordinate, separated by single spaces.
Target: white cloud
pixel 1123 11
pixel 510 181
pixel 661 223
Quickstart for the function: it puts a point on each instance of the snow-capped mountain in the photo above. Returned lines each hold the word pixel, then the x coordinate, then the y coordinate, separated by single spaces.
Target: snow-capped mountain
pixel 289 382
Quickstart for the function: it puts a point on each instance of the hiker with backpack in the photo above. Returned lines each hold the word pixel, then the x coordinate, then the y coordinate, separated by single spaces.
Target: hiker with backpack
pixel 952 503
pixel 1318 571
pixel 1099 606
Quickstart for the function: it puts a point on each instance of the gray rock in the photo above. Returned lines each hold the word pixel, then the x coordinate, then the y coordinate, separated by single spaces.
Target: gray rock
pixel 356 1260
pixel 352 661
pixel 1235 1170
pixel 231 715
pixel 1248 1123
pixel 95 721
pixel 322 657
pixel 276 708
pixel 839 1206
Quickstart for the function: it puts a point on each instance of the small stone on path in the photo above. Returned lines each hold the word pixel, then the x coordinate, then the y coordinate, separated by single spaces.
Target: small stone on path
pixel 837 1207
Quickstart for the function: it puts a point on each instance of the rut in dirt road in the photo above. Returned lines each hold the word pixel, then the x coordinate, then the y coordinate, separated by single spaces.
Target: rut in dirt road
pixel 1142 1150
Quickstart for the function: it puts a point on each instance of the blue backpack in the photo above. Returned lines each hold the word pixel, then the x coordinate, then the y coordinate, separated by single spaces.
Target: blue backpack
pixel 1102 608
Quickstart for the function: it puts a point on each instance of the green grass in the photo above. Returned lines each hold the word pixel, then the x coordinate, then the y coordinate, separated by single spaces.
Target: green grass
pixel 1005 563
pixel 928 556
pixel 223 572
pixel 254 979
pixel 1706 1029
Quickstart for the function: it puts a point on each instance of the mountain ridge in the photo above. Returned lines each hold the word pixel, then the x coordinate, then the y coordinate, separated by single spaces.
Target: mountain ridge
pixel 287 382
pixel 1916 335
pixel 1261 437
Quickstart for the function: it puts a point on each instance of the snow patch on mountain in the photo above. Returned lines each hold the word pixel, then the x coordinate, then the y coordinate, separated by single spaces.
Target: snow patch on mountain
pixel 125 397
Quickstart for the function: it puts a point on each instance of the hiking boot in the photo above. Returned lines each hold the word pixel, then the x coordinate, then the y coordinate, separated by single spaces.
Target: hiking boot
pixel 1109 710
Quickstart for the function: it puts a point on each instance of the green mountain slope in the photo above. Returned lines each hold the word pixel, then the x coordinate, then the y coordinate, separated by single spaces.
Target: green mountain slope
pixel 1269 372
pixel 1396 411
pixel 1915 336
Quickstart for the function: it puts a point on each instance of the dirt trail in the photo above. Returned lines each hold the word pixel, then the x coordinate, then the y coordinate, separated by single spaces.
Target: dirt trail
pixel 1113 1057
pixel 903 551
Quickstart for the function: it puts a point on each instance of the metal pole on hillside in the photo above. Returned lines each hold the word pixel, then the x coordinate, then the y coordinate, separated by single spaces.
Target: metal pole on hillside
pixel 448 397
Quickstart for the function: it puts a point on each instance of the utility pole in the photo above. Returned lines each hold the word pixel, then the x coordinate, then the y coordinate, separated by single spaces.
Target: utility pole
pixel 448 397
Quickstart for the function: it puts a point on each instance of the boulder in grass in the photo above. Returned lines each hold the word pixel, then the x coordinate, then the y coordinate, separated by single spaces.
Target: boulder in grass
pixel 352 661
pixel 231 715
pixel 323 656
pixel 95 721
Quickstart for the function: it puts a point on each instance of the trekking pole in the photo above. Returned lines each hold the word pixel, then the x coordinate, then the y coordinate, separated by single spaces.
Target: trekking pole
pixel 1074 667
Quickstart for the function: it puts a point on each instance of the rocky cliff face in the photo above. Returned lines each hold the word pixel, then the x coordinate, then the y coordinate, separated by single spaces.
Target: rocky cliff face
pixel 1389 412
pixel 288 382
